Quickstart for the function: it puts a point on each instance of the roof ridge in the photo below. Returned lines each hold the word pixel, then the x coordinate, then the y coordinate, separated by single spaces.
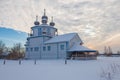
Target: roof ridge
pixel 68 33
pixel 61 38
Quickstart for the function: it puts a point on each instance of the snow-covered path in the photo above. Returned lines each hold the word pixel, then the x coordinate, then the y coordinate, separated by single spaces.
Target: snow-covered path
pixel 55 69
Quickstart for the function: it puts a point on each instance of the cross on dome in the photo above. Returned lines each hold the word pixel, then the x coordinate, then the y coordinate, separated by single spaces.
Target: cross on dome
pixel 36 22
pixel 44 18
pixel 44 12
pixel 52 23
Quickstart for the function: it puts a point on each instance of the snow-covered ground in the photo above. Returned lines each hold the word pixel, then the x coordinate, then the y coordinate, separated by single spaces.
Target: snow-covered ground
pixel 55 69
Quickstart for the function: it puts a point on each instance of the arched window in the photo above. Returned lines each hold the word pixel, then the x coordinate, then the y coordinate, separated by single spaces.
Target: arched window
pixel 39 31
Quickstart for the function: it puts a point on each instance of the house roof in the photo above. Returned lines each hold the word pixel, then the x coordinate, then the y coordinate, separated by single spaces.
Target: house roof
pixel 61 38
pixel 80 48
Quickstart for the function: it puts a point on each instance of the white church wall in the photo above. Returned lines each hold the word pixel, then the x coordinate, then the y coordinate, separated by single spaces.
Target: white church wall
pixel 49 54
pixel 36 41
pixel 62 52
pixel 55 52
pixel 45 31
pixel 52 32
pixel 35 31
pixel 33 54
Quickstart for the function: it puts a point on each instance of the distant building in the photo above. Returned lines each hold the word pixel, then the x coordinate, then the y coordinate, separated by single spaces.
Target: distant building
pixel 45 43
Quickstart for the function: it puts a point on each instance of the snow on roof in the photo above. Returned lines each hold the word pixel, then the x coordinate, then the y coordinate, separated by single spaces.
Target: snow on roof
pixel 61 38
pixel 78 47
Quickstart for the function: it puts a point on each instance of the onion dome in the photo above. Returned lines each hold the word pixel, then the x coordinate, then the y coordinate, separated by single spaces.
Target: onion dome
pixel 36 22
pixel 44 18
pixel 52 23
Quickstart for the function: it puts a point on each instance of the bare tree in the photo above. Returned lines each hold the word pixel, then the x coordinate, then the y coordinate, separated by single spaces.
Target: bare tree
pixel 17 52
pixel 118 52
pixel 2 47
pixel 108 51
pixel 105 50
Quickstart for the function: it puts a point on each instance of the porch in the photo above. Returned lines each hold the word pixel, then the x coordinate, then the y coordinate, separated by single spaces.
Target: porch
pixel 78 51
pixel 77 55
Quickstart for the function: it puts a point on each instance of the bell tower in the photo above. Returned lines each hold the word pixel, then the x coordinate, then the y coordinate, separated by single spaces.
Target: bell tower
pixel 44 30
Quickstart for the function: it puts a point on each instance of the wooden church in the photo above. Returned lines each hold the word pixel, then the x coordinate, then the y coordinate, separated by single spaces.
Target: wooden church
pixel 45 43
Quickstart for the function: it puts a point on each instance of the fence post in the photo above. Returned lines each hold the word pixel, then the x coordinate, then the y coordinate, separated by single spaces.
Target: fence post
pixel 4 61
pixel 65 61
pixel 19 61
pixel 35 61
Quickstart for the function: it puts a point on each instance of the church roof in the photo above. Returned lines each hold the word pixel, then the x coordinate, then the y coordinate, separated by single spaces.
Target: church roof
pixel 62 38
pixel 80 48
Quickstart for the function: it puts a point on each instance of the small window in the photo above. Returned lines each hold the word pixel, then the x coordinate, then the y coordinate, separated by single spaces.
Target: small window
pixel 39 31
pixel 31 49
pixel 44 48
pixel 48 31
pixel 44 32
pixel 36 49
pixel 27 49
pixel 49 48
pixel 62 47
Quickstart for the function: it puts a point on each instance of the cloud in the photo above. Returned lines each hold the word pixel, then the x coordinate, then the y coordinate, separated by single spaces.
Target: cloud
pixel 94 20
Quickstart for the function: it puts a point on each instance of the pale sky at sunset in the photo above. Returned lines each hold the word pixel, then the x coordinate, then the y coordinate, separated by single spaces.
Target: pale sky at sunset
pixel 96 21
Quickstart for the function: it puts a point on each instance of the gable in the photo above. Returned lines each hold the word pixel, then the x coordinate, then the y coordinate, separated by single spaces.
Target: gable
pixel 75 39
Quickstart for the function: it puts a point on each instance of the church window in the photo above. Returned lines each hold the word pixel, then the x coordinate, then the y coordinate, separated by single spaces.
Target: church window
pixel 48 31
pixel 36 49
pixel 31 49
pixel 49 48
pixel 44 32
pixel 44 48
pixel 26 49
pixel 39 31
pixel 62 47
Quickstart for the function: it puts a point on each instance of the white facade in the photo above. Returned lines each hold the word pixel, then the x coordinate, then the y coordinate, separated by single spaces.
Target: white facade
pixel 45 43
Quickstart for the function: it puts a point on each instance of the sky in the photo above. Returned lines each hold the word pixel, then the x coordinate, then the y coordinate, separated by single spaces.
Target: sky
pixel 11 37
pixel 96 21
